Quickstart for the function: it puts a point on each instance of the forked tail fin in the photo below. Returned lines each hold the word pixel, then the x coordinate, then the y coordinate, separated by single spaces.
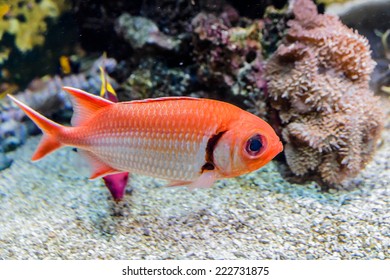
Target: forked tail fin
pixel 50 129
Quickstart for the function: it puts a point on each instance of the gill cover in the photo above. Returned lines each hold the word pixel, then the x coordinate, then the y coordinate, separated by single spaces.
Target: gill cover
pixel 245 147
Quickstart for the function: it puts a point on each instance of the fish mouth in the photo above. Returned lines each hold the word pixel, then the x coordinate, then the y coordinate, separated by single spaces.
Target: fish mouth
pixel 280 147
pixel 277 148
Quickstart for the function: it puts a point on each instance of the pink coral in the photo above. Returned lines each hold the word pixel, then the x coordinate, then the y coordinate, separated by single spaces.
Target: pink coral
pixel 318 84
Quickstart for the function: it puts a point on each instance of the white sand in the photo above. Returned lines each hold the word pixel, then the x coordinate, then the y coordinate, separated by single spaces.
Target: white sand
pixel 49 210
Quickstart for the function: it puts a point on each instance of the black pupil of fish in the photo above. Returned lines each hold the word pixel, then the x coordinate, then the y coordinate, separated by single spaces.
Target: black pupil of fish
pixel 254 144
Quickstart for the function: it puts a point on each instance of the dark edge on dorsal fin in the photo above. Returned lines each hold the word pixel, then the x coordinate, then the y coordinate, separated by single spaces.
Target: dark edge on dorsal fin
pixel 209 165
pixel 160 99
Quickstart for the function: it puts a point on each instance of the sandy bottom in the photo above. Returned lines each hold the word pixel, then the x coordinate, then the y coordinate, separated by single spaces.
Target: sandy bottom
pixel 49 210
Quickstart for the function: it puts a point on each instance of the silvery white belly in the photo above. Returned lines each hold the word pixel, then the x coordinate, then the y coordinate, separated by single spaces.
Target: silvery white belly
pixel 174 156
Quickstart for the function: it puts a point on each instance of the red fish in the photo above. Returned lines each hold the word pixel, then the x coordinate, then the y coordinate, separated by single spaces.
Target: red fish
pixel 187 141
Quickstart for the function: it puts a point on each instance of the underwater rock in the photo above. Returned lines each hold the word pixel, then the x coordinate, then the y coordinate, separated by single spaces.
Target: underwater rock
pixel 44 95
pixel 173 16
pixel 275 26
pixel 47 97
pixel 153 78
pixel 228 51
pixel 5 162
pixel 380 79
pixel 140 31
pixel 12 135
pixel 318 84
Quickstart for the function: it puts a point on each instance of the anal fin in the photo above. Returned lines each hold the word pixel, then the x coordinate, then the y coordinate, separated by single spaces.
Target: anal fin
pixel 116 184
pixel 98 168
pixel 178 183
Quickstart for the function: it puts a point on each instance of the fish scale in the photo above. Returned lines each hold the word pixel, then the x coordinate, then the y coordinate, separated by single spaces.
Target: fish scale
pixel 130 143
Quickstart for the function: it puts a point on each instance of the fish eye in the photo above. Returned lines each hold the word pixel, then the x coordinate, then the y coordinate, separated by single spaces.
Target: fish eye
pixel 255 145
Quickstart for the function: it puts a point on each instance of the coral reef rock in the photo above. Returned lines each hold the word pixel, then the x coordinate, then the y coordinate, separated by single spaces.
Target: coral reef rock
pixel 228 51
pixel 275 26
pixel 171 16
pixel 318 84
pixel 47 97
pixel 140 31
pixel 5 162
pixel 153 78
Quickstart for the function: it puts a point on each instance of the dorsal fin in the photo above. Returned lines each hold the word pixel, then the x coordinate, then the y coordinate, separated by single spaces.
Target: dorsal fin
pixel 84 105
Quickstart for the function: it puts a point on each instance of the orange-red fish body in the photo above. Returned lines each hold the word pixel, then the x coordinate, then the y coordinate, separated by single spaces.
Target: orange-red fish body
pixel 165 139
pixel 187 141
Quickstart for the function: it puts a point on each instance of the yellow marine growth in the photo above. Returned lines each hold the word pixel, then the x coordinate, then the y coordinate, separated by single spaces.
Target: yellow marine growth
pixel 328 2
pixel 26 21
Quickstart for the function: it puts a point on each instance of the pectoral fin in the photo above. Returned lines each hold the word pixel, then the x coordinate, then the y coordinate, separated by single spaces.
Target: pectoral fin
pixel 206 180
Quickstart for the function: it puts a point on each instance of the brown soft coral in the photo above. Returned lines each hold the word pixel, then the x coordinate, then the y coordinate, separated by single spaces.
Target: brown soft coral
pixel 338 46
pixel 318 84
